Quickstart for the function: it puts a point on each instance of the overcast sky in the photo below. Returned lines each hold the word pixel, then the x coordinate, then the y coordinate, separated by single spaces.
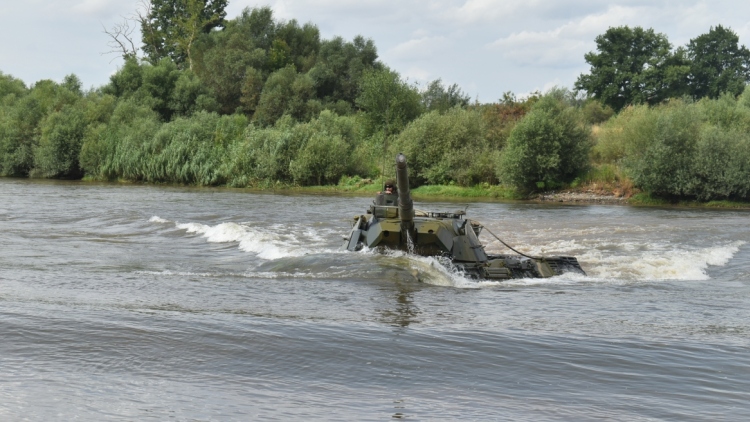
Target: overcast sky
pixel 487 47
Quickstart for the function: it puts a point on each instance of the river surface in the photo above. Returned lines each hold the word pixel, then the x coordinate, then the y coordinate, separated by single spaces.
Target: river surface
pixel 121 302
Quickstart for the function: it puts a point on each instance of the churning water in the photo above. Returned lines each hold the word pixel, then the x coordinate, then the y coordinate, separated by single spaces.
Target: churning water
pixel 144 302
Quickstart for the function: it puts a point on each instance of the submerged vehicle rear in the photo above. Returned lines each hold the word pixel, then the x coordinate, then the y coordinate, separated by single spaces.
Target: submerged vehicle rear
pixel 391 222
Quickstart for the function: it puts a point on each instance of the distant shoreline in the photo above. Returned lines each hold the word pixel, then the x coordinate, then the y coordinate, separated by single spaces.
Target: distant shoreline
pixel 578 196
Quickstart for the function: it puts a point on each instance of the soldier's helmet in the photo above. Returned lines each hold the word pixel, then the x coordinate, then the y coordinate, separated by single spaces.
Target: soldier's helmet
pixel 390 185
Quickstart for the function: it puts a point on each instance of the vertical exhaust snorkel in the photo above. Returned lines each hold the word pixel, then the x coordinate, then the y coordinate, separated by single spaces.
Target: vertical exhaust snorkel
pixel 405 204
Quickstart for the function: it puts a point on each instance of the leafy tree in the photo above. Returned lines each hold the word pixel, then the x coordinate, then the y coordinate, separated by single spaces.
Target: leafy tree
pixel 388 102
pixel 322 159
pixel 550 146
pixel 170 28
pixel 721 165
pixel 252 87
pixel 633 66
pixel 326 145
pixel 258 26
pixel 59 147
pixel 441 98
pixel 126 81
pixel 20 125
pixel 285 92
pixel 595 112
pixel 190 96
pixel 340 67
pixel 279 55
pixel 235 62
pixel 225 66
pixel 500 118
pixel 660 159
pixel 302 44
pixel 73 84
pixel 158 86
pixel 163 87
pixel 10 85
pixel 447 147
pixel 717 63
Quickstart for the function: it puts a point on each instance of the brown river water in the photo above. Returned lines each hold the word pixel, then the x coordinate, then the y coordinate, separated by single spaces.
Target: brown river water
pixel 122 302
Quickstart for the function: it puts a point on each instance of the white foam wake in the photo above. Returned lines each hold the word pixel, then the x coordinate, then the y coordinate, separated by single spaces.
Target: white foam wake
pixel 265 244
pixel 660 263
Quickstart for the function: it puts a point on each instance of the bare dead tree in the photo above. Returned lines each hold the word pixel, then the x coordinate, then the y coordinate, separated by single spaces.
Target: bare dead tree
pixel 121 38
pixel 121 34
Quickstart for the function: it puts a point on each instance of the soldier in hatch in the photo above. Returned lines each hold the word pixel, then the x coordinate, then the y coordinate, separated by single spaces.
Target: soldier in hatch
pixel 389 195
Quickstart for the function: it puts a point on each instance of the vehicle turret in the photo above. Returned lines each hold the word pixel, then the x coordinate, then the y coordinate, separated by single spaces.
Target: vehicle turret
pixel 392 222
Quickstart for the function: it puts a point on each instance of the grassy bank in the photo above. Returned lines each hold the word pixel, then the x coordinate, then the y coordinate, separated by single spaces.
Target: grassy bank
pixel 588 193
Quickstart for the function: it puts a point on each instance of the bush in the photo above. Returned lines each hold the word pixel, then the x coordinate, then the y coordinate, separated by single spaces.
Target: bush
pixel 322 160
pixel 445 148
pixel 725 112
pixel 549 147
pixel 286 92
pixel 326 146
pixel 121 147
pixel 721 165
pixel 56 156
pixel 660 160
pixel 262 154
pixel 11 86
pixel 20 119
pixel 594 112
pixel 627 130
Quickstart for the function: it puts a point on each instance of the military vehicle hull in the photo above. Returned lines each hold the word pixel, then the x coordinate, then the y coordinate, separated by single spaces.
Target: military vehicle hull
pixel 454 238
pixel 392 223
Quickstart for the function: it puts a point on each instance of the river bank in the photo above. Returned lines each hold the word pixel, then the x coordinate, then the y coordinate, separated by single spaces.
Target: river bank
pixel 582 195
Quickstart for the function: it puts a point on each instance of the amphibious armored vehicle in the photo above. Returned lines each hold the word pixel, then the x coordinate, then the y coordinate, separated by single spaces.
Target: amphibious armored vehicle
pixel 391 222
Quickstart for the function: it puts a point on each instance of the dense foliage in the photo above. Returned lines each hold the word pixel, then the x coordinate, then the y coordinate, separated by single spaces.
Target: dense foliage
pixel 253 101
pixel 632 65
pixel 638 66
pixel 548 148
pixel 684 149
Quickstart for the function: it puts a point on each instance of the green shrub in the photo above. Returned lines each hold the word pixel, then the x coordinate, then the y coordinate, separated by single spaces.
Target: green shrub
pixel 20 123
pixel 286 92
pixel 388 102
pixel 322 160
pixel 262 154
pixel 93 150
pixel 121 146
pixel 59 147
pixel 594 112
pixel 660 160
pixel 549 147
pixel 725 112
pixel 444 148
pixel 11 86
pixel 721 165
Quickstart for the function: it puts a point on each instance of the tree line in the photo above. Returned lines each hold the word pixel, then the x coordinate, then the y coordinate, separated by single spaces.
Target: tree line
pixel 638 66
pixel 255 101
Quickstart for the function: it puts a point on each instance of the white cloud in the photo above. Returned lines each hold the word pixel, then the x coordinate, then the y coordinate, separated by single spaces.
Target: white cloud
pixel 419 48
pixel 562 46
pixel 487 10
pixel 94 7
pixel 417 74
